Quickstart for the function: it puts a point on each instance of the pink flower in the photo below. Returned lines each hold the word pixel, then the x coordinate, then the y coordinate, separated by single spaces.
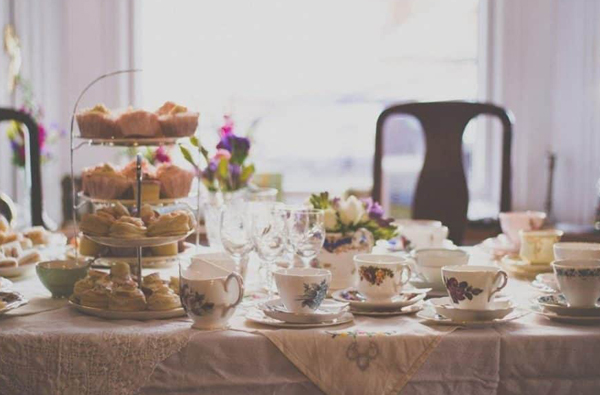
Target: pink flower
pixel 222 154
pixel 227 127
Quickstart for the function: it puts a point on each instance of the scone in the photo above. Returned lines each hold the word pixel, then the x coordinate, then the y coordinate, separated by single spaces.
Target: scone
pixel 120 272
pixel 5 263
pixel 179 122
pixel 95 224
pixel 126 297
pixel 96 297
pixel 28 258
pixel 165 108
pixel 4 225
pixel 172 224
pixel 128 228
pixel 37 234
pixel 97 122
pixel 87 283
pixel 139 123
pixel 163 298
pixel 175 182
pixel 104 182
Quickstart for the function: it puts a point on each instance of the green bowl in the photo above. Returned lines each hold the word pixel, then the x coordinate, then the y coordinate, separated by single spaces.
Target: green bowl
pixel 59 277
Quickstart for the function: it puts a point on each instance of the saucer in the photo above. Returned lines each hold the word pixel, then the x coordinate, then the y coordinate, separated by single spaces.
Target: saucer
pixel 514 264
pixel 545 282
pixel 429 315
pixel 569 319
pixel 406 310
pixel 557 303
pixel 498 310
pixel 437 290
pixel 359 302
pixel 499 246
pixel 328 311
pixel 256 315
pixel 12 300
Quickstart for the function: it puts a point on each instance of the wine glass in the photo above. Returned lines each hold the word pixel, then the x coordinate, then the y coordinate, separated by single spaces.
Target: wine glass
pixel 268 236
pixel 236 233
pixel 306 232
pixel 289 251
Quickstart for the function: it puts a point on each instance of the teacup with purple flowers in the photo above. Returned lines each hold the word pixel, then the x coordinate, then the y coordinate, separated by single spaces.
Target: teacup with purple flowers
pixel 473 287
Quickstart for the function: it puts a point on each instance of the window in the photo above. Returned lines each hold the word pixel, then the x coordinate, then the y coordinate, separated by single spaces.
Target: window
pixel 308 78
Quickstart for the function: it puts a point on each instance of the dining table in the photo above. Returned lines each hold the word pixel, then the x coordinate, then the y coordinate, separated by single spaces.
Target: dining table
pixel 48 347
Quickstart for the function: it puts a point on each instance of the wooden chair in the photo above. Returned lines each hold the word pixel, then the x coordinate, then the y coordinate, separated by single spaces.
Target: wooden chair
pixel 442 192
pixel 35 174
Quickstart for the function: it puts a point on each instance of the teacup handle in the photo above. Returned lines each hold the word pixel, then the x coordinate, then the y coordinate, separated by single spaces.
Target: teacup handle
pixel 501 274
pixel 399 282
pixel 240 283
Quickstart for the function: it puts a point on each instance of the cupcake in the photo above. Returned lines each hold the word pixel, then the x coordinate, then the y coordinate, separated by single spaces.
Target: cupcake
pixel 104 182
pixel 130 170
pixel 175 182
pixel 179 122
pixel 97 122
pixel 139 123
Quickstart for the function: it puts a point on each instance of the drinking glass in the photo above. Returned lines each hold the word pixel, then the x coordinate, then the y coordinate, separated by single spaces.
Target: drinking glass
pixel 306 232
pixel 289 252
pixel 236 233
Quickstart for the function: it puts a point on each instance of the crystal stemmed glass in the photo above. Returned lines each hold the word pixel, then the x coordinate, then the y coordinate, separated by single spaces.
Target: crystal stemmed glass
pixel 236 233
pixel 268 236
pixel 306 232
pixel 289 251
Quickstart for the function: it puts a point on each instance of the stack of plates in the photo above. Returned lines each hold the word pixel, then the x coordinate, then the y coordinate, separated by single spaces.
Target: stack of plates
pixel 274 313
pixel 555 307
pixel 404 303
pixel 442 311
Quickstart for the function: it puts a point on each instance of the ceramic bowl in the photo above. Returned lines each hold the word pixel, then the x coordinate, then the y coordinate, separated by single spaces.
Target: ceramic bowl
pixel 578 280
pixel 575 250
pixel 60 276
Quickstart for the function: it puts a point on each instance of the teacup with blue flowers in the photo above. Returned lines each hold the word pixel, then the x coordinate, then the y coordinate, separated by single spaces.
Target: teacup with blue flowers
pixel 578 280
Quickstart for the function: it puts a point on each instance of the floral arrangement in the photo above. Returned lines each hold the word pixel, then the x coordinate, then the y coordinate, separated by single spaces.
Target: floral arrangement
pixel 351 214
pixel 47 134
pixel 225 170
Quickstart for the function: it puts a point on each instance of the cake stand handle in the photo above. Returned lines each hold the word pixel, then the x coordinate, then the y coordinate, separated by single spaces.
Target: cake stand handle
pixel 138 203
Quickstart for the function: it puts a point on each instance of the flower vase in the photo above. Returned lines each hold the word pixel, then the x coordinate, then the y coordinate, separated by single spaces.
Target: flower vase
pixel 212 207
pixel 337 256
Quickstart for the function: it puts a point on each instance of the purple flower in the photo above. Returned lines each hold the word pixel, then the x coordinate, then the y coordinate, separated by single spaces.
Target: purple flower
pixel 373 208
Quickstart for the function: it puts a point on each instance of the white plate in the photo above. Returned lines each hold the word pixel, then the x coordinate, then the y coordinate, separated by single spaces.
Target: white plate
pixel 557 303
pixel 429 315
pixel 255 315
pixel 356 301
pixel 144 315
pixel 141 242
pixel 5 284
pixel 328 311
pixel 498 310
pixel 132 142
pixel 13 300
pixel 564 318
pixel 413 308
pixel 436 289
pixel 133 202
pixel 18 271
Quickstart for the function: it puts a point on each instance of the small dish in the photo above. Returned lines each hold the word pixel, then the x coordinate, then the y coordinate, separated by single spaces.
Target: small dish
pixel 359 302
pixel 557 303
pixel 329 310
pixel 568 319
pixel 60 276
pixel 12 301
pixel 430 315
pixel 498 310
pixel 257 316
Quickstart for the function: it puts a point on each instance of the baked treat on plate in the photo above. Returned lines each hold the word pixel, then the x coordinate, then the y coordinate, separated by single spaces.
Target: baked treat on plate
pixel 115 211
pixel 8 237
pixel 130 170
pixel 104 182
pixel 37 234
pixel 30 257
pixel 148 214
pixel 97 296
pixel 8 262
pixel 12 249
pixel 153 281
pixel 163 298
pixel 175 182
pixel 4 225
pixel 172 224
pixel 96 224
pixel 166 108
pixel 174 284
pixel 120 272
pixel 126 296
pixel 97 122
pixel 139 123
pixel 87 283
pixel 25 243
pixel 178 122
pixel 128 228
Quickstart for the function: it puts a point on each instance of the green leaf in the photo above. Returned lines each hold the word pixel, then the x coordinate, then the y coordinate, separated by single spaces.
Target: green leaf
pixel 194 141
pixel 247 172
pixel 187 155
pixel 223 170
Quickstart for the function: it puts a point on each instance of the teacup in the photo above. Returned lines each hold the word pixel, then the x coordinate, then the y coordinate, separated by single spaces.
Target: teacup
pixel 381 276
pixel 576 250
pixel 514 221
pixel 209 294
pixel 429 262
pixel 537 246
pixel 472 287
pixel 60 276
pixel 578 280
pixel 422 233
pixel 302 290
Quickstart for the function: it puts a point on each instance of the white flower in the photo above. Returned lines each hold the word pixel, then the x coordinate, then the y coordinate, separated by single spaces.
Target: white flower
pixel 351 211
pixel 330 219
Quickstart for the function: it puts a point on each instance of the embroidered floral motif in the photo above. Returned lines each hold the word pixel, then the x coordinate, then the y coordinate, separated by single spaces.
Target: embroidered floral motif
pixel 362 356
pixel 460 291
pixel 194 302
pixel 356 333
pixel 314 294
pixel 374 275
pixel 582 273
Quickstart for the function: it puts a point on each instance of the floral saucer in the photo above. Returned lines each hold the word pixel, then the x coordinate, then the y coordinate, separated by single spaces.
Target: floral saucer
pixel 358 302
pixel 258 316
pixel 11 300
pixel 437 290
pixel 569 319
pixel 498 310
pixel 406 310
pixel 545 282
pixel 556 303
pixel 430 315
pixel 328 311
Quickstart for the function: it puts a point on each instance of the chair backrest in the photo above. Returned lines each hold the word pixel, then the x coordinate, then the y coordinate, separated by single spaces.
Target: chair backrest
pixel 442 191
pixel 8 114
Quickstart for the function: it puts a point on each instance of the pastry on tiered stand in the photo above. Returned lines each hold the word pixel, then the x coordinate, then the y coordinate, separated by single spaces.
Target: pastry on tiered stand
pixel 160 296
pixel 176 120
pixel 97 122
pixel 171 224
pixel 104 182
pixel 175 182
pixel 128 228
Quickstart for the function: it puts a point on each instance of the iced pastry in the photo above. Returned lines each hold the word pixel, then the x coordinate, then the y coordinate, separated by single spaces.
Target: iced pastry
pixel 128 228
pixel 8 262
pixel 163 298
pixel 139 123
pixel 178 122
pixel 104 182
pixel 95 224
pixel 175 182
pixel 172 224
pixel 97 122
pixel 30 257
pixel 88 247
pixel 97 296
pixel 126 297
pixel 165 250
pixel 37 234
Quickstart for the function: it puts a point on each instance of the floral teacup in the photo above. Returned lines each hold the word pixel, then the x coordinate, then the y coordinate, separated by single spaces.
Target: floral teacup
pixel 381 276
pixel 302 289
pixel 472 287
pixel 209 294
